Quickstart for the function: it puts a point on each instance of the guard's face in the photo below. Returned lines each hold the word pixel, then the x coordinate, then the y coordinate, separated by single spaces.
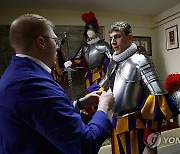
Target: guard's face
pixel 90 33
pixel 120 41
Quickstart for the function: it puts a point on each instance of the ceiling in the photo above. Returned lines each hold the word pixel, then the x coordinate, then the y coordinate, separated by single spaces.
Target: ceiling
pixel 136 7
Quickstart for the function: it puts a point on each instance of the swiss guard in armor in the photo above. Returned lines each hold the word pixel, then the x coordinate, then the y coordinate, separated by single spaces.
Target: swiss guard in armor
pixel 94 55
pixel 57 70
pixel 141 101
pixel 172 85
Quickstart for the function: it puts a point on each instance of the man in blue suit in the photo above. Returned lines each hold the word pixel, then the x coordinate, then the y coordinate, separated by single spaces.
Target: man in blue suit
pixel 36 116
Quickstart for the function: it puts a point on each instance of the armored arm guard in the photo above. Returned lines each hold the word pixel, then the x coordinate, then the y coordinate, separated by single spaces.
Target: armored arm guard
pixel 107 50
pixel 104 47
pixel 149 75
pixel 80 52
pixel 158 104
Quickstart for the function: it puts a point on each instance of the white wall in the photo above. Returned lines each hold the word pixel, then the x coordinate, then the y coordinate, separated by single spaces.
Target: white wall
pixel 142 25
pixel 167 61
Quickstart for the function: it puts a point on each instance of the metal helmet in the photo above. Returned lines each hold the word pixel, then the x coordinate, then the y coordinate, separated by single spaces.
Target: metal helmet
pixel 91 23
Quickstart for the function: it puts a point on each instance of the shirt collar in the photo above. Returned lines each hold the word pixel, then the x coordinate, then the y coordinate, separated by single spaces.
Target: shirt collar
pixel 36 61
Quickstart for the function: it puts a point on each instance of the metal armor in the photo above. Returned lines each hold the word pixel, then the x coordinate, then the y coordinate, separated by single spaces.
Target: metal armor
pixel 176 97
pixel 127 78
pixel 94 54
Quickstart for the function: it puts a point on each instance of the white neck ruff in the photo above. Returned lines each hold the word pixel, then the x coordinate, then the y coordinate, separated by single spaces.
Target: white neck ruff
pixel 93 40
pixel 125 54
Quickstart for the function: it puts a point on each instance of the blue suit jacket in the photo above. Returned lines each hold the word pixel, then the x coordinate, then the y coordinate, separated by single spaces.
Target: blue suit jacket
pixel 36 116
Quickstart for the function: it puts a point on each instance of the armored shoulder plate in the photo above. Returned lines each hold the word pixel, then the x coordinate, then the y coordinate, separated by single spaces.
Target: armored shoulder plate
pixel 148 74
pixel 104 47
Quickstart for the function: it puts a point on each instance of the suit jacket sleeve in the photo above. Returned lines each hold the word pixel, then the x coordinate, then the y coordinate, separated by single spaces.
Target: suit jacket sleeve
pixel 44 106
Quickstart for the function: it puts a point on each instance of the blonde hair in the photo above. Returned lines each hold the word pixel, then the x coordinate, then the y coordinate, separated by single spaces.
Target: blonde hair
pixel 25 29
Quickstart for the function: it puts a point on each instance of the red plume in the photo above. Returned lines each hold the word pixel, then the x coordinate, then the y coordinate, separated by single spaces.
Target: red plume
pixel 90 17
pixel 172 82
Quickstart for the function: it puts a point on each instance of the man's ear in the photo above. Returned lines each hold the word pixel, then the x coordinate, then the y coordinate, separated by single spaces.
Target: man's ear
pixel 130 35
pixel 40 42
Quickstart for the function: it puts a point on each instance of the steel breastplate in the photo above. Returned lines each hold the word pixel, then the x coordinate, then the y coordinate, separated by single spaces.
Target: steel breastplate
pixel 94 54
pixel 126 88
pixel 127 79
pixel 93 58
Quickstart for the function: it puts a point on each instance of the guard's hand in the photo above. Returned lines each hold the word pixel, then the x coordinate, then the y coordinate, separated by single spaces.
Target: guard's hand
pixel 106 101
pixel 67 64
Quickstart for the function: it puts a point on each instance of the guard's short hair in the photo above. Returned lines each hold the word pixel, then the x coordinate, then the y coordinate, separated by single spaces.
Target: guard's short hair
pixel 122 25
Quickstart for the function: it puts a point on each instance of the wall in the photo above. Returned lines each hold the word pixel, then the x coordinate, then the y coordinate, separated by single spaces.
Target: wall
pixel 167 60
pixel 142 25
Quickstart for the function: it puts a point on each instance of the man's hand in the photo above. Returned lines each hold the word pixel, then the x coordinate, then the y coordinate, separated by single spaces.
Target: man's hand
pixel 91 99
pixel 106 101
